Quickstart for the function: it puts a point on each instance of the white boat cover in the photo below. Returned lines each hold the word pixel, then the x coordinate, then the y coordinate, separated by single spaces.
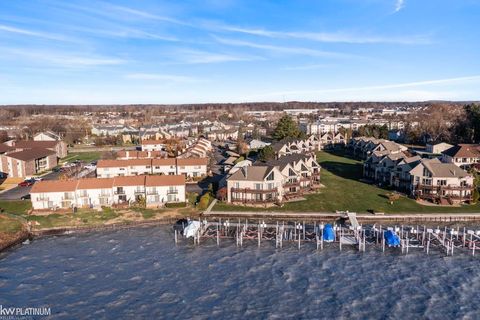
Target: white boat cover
pixel 191 229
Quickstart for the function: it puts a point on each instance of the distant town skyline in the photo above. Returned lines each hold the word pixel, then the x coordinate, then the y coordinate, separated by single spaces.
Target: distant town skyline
pixel 214 51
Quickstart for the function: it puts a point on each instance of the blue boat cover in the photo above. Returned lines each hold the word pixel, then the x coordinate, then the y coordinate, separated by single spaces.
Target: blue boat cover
pixel 391 238
pixel 328 233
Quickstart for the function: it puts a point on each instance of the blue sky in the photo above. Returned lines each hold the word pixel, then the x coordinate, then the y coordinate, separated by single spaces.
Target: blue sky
pixel 100 52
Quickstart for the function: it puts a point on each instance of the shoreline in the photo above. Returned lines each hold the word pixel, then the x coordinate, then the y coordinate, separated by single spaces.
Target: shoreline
pixel 307 216
pixel 59 231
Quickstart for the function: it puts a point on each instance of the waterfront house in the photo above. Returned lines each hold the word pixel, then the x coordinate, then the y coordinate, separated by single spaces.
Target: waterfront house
pixel 462 155
pixel 439 182
pixel 189 167
pixel 154 191
pixel 256 185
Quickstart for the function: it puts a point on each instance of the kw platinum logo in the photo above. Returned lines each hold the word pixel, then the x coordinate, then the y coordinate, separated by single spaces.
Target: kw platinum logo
pixel 13 313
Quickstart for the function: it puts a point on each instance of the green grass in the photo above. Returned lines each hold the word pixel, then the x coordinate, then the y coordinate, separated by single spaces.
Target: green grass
pixel 9 225
pixel 17 207
pixel 344 191
pixel 81 217
pixel 82 156
pixel 146 213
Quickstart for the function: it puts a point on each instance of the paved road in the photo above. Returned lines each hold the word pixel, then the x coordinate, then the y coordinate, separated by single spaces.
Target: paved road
pixel 18 192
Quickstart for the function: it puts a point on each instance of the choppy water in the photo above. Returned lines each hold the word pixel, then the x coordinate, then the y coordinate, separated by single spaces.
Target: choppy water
pixel 141 273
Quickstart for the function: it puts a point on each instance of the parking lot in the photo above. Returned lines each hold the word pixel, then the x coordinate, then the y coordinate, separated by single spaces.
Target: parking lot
pixel 17 193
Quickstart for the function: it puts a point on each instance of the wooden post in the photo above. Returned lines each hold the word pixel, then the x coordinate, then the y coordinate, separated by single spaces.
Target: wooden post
pixel 321 239
pixel 304 230
pixel 218 236
pixel 340 239
pixel 383 243
pixel 473 250
pixel 258 232
pixel 176 236
pixel 299 235
pixel 428 245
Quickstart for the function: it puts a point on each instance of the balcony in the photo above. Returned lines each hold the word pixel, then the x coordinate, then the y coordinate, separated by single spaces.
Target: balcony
pixel 249 190
pixel 119 192
pixel 139 191
pixel 253 201
pixel 445 187
pixel 152 192
pixel 290 184
pixel 172 192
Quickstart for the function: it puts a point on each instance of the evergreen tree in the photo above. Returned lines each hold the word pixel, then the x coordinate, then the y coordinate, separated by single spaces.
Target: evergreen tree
pixel 266 153
pixel 286 128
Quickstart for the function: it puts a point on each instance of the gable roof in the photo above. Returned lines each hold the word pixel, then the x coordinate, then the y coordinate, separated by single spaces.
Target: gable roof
pixel 54 186
pixel 252 173
pixel 129 181
pixel 31 144
pixel 31 154
pixel 164 180
pixel 463 151
pixel 95 183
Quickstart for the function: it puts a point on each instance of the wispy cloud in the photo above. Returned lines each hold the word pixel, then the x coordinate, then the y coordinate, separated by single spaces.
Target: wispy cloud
pixel 31 33
pixel 281 49
pixel 161 77
pixel 332 37
pixel 379 87
pixel 122 13
pixel 204 57
pixel 399 5
pixel 125 32
pixel 307 67
pixel 63 59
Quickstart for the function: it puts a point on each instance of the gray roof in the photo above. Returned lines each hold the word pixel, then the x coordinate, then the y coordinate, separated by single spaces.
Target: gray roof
pixel 282 162
pixel 252 173
pixel 444 170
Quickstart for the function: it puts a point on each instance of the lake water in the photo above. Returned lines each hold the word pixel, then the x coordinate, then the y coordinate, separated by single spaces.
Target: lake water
pixel 141 273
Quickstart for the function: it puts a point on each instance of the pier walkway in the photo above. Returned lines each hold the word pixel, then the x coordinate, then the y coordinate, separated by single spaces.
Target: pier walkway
pixel 448 240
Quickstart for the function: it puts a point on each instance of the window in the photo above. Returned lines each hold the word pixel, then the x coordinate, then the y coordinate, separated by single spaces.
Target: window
pixel 271 176
pixel 258 186
pixel 442 182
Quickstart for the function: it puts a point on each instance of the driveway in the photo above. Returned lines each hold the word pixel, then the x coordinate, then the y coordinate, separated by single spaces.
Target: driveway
pixel 18 192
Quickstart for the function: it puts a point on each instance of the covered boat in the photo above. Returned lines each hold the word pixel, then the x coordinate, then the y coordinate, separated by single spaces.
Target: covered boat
pixel 391 238
pixel 328 233
pixel 191 229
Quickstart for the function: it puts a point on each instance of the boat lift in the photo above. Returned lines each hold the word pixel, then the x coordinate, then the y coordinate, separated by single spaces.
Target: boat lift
pixel 448 240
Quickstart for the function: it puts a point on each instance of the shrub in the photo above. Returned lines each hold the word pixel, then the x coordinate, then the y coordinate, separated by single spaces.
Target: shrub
pixel 204 201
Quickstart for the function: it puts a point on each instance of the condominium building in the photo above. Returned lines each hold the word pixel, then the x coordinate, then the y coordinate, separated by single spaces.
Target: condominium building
pixel 190 167
pixel 156 191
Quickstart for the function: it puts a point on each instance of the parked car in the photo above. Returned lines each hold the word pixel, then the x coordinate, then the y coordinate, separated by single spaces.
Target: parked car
pixel 26 183
pixel 25 197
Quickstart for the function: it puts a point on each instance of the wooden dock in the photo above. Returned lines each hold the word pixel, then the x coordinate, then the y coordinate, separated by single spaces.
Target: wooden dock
pixel 300 233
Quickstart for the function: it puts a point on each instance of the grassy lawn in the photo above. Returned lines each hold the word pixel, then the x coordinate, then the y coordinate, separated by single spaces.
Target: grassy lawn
pixel 344 191
pixel 81 218
pixel 17 207
pixel 9 225
pixel 82 156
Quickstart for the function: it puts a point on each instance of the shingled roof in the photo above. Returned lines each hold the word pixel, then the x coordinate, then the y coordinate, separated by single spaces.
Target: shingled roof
pixel 251 173
pixel 463 151
pixel 31 154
